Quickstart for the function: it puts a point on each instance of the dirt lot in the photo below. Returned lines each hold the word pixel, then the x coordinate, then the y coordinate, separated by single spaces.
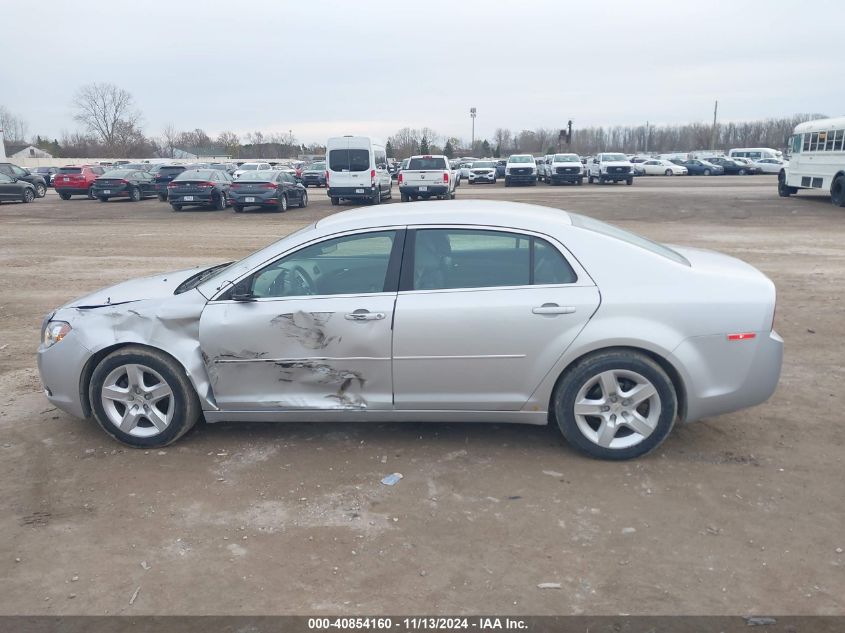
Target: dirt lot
pixel 738 514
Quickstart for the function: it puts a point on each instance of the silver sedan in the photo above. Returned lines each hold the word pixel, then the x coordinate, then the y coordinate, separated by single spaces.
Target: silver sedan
pixel 466 311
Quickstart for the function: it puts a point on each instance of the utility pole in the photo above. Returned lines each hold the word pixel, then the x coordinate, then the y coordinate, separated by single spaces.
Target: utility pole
pixel 713 131
pixel 645 151
pixel 472 116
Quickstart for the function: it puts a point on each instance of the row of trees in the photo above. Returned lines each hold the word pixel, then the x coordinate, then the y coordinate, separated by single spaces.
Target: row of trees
pixel 110 126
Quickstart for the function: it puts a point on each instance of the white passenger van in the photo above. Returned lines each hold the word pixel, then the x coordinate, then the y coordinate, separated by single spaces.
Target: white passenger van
pixel 754 153
pixel 356 169
pixel 816 160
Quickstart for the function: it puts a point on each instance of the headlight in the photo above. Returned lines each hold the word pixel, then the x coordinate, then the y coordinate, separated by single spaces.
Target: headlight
pixel 55 332
pixel 507 171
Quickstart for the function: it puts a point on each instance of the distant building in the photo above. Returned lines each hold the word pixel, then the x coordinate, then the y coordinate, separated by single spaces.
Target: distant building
pixel 16 150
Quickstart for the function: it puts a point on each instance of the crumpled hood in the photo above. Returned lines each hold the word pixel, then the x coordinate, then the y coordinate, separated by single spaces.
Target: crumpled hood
pixel 155 287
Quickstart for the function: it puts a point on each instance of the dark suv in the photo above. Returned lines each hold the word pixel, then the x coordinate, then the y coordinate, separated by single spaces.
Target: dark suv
pixel 20 173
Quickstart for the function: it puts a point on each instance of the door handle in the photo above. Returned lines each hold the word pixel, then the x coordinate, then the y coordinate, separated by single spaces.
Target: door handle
pixel 364 315
pixel 553 308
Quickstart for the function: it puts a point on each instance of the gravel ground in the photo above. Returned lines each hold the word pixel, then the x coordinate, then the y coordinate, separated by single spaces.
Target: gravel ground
pixel 737 514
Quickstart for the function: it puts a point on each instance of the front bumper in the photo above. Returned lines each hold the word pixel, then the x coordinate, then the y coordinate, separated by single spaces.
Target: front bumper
pixel 616 175
pixel 430 190
pixel 722 376
pixel 529 178
pixel 351 193
pixel 60 367
pixel 566 177
pixel 491 177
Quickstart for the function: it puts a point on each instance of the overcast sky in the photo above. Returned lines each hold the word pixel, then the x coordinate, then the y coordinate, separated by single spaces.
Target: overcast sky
pixel 323 68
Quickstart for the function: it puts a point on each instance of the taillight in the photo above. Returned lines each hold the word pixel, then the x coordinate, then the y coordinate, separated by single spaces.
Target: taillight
pixel 171 185
pixel 123 182
pixel 327 177
pixel 270 185
pixel 373 176
pixel 401 177
pixel 445 176
pixel 741 336
pixel 234 185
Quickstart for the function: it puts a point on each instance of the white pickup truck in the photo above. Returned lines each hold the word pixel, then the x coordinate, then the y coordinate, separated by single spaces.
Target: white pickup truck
pixel 428 176
pixel 610 167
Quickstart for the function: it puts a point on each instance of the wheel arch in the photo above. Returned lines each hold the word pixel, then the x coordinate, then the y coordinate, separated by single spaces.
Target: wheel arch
pixel 841 173
pixel 671 371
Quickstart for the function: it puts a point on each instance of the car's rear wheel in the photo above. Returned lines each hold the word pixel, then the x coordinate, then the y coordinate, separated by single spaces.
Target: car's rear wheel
pixel 103 199
pixel 335 201
pixel 742 172
pixel 303 201
pixel 28 195
pixel 376 199
pixel 706 172
pixel 617 404
pixel 404 197
pixel 176 207
pixel 162 197
pixel 668 172
pixel 64 196
pixel 40 190
pixel 237 208
pixel 134 194
pixel 630 181
pixel 142 397
pixel 283 203
pixel 220 201
pixel 91 195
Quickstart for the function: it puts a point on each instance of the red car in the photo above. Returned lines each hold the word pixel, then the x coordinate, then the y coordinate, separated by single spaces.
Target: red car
pixel 76 180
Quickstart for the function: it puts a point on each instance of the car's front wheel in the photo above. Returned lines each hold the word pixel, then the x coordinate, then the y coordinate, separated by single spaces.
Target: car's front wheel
pixel 303 201
pixel 617 404
pixel 40 190
pixel 134 194
pixel 142 397
pixel 28 195
pixel 837 191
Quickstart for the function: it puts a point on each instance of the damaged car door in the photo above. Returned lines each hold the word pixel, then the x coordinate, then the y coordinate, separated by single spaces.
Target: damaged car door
pixel 309 331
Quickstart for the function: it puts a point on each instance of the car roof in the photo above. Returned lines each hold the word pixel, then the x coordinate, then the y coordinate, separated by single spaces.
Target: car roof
pixel 480 212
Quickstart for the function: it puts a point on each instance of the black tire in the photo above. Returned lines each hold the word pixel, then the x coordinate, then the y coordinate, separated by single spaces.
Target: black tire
pixel 303 201
pixel 580 181
pixel 742 172
pixel 176 207
pixel 533 183
pixel 64 196
pixel 451 195
pixel 706 172
pixel 91 195
pixel 220 202
pixel 585 371
pixel 507 182
pixel 237 208
pixel 28 195
pixel 40 190
pixel 162 197
pixel 103 199
pixel 784 191
pixel 376 199
pixel 335 201
pixel 837 191
pixel 668 172
pixel 404 197
pixel 589 180
pixel 134 194
pixel 629 181
pixel 186 406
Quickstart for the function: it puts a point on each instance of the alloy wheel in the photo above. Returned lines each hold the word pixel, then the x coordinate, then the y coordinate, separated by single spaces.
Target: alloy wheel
pixel 137 400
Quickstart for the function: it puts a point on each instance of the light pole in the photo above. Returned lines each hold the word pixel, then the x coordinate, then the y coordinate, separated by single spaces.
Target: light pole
pixel 472 116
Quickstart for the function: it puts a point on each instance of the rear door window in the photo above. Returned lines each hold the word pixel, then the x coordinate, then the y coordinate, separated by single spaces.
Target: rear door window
pixel 349 160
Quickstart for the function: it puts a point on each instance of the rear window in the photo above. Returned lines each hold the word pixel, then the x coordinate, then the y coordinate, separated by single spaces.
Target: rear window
pixel 260 175
pixel 195 174
pixel 175 169
pixel 70 170
pixel 316 167
pixel 590 224
pixel 349 160
pixel 427 163
pixel 119 173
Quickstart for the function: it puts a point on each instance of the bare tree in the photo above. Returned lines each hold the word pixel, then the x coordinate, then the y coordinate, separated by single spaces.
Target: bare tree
pixel 107 111
pixel 169 138
pixel 14 128
pixel 230 141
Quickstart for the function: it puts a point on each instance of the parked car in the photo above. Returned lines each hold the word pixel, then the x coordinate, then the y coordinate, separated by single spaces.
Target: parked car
pixel 46 173
pixel 200 187
pixel 661 167
pixel 251 167
pixel 610 167
pixel 522 169
pixel 482 171
pixel 314 175
pixel 463 169
pixel 501 165
pixel 426 177
pixel 76 180
pixel 357 170
pixel 565 168
pixel 769 165
pixel 273 189
pixel 699 167
pixel 164 175
pixel 15 190
pixel 729 166
pixel 21 173
pixel 747 163
pixel 323 326
pixel 135 184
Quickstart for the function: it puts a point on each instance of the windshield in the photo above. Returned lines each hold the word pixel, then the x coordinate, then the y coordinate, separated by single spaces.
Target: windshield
pixel 584 222
pixel 349 160
pixel 483 163
pixel 263 174
pixel 566 158
pixel 427 163
pixel 619 157
pixel 521 159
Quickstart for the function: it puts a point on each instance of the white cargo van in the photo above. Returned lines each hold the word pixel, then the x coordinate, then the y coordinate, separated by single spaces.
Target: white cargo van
pixel 356 169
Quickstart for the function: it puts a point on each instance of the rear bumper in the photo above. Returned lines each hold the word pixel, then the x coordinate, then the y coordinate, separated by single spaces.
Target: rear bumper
pixel 196 198
pixel 74 191
pixel 114 192
pixel 351 193
pixel 430 190
pixel 258 199
pixel 724 376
